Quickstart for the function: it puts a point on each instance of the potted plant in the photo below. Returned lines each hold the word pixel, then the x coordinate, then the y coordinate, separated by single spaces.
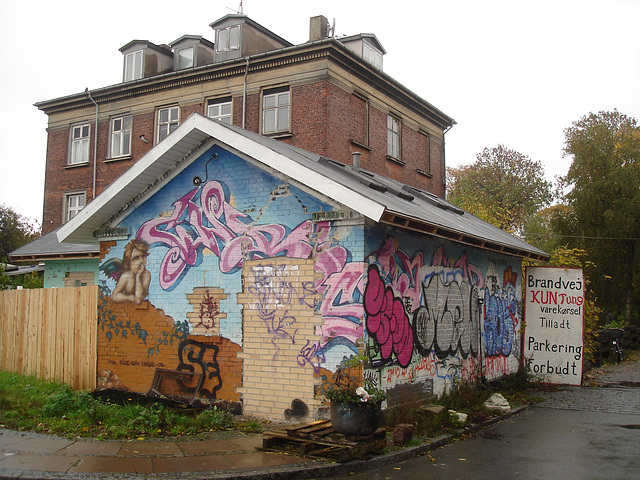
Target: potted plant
pixel 355 404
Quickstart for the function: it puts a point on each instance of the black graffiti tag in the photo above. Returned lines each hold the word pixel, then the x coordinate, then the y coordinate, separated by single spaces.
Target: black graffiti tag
pixel 448 322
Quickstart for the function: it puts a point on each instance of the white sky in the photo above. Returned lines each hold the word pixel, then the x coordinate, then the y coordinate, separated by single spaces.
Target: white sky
pixel 511 72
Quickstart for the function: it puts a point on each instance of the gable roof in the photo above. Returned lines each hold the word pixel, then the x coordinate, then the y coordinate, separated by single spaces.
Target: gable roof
pixel 376 197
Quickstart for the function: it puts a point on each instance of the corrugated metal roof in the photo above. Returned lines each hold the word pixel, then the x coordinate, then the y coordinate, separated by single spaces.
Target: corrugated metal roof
pixel 376 197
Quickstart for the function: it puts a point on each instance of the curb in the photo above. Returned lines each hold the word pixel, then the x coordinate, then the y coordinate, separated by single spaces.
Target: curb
pixel 293 472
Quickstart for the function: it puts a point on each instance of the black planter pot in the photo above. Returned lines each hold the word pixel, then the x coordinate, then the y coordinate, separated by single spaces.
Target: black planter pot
pixel 351 418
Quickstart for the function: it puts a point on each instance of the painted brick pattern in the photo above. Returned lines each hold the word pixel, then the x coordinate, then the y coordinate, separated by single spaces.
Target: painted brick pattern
pixel 206 316
pixel 279 338
pixel 134 340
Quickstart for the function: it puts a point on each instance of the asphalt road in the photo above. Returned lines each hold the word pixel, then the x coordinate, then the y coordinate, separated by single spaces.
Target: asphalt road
pixel 574 433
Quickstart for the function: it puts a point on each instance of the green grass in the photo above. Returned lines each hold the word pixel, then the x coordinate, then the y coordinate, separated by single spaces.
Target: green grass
pixel 27 403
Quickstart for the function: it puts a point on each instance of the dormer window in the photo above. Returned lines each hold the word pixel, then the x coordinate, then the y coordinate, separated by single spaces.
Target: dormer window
pixel 372 55
pixel 186 58
pixel 133 66
pixel 228 39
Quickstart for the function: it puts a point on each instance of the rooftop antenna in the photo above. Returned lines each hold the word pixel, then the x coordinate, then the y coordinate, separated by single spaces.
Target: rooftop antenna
pixel 240 10
pixel 332 29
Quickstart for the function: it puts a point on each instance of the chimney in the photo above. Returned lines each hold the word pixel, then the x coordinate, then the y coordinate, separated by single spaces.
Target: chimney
pixel 356 159
pixel 318 28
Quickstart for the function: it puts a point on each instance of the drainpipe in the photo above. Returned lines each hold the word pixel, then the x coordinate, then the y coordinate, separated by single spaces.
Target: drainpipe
pixel 244 91
pixel 95 144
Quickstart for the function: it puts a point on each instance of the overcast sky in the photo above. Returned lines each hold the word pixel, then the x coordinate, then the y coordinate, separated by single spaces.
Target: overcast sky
pixel 515 73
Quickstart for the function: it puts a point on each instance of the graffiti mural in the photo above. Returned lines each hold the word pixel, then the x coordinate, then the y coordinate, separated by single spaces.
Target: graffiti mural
pixel 131 274
pixel 439 318
pixel 203 219
pixel 387 321
pixel 201 358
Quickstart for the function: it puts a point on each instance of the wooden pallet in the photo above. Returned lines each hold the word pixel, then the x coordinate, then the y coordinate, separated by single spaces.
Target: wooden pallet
pixel 319 439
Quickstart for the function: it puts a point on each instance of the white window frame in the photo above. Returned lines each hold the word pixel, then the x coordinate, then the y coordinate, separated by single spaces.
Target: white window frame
pixel 79 140
pixel 372 55
pixel 120 144
pixel 276 110
pixel 191 59
pixel 134 65
pixel 73 203
pixel 393 137
pixel 165 127
pixel 221 110
pixel 228 39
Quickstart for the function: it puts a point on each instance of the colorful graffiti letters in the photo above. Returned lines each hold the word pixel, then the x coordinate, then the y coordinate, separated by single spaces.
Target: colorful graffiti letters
pixel 449 320
pixel 387 322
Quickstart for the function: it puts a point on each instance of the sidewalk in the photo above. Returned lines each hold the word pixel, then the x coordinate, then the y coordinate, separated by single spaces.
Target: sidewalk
pixel 227 455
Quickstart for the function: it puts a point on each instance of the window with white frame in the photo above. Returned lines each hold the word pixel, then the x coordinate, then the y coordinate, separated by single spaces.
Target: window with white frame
pixel 276 109
pixel 393 137
pixel 186 58
pixel 79 144
pixel 168 121
pixel 372 55
pixel 74 202
pixel 228 39
pixel 121 136
pixel 133 66
pixel 221 109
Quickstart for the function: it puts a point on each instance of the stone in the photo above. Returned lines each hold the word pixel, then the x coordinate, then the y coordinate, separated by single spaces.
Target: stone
pixel 402 434
pixel 457 419
pixel 432 408
pixel 498 403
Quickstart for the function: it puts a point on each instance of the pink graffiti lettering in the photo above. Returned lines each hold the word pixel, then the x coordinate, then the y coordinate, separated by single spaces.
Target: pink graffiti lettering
pixel 387 321
pixel 215 225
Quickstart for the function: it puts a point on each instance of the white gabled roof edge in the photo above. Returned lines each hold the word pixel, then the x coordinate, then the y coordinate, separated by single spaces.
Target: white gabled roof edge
pixel 189 135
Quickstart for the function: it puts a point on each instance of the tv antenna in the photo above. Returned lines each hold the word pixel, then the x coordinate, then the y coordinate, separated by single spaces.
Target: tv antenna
pixel 240 10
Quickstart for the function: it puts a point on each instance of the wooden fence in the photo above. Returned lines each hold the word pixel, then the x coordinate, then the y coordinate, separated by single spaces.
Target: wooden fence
pixel 51 333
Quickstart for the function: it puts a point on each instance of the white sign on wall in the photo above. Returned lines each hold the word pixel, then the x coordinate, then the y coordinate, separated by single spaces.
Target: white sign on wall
pixel 554 316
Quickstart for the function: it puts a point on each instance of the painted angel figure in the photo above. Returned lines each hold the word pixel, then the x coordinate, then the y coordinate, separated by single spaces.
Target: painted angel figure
pixel 131 274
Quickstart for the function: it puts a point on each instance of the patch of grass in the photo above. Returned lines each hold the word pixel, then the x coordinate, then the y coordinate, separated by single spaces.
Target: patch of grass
pixel 27 403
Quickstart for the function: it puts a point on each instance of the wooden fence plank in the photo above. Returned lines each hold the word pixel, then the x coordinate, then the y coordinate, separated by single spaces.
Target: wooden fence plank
pixel 51 333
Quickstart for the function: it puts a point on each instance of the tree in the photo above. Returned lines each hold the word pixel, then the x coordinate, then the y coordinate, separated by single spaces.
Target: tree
pixel 15 231
pixel 603 194
pixel 503 187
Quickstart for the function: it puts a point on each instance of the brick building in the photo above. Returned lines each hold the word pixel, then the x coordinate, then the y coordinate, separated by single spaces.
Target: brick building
pixel 329 96
pixel 257 268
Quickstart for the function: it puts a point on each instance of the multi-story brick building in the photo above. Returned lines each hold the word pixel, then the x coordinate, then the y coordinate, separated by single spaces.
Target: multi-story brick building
pixel 329 96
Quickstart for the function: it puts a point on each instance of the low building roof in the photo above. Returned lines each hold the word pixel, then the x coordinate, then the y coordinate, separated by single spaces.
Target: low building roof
pixel 47 247
pixel 374 196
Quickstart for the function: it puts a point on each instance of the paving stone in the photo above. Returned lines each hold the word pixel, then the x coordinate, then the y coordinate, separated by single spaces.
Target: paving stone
pixel 207 447
pixel 38 463
pixel 140 449
pixel 41 445
pixel 200 463
pixel 92 448
pixel 261 459
pixel 113 465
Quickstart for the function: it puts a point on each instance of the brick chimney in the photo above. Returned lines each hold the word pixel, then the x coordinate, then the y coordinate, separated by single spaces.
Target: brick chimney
pixel 318 28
